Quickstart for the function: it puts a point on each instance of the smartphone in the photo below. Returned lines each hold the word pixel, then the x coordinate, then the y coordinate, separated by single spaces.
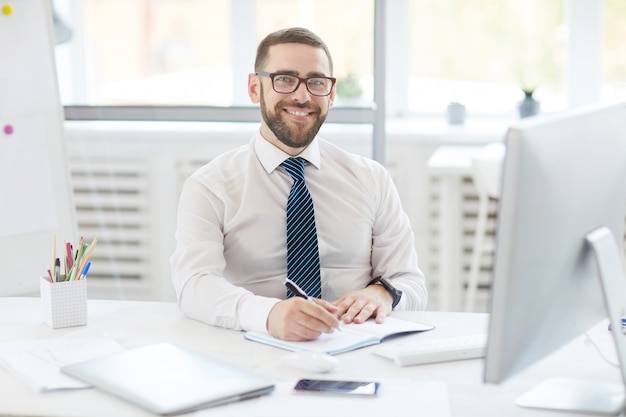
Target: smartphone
pixel 337 387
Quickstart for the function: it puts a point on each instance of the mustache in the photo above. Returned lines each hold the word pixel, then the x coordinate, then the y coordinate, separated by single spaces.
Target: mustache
pixel 290 103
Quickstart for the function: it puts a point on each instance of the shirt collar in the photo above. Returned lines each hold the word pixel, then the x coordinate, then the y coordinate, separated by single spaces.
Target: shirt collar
pixel 271 157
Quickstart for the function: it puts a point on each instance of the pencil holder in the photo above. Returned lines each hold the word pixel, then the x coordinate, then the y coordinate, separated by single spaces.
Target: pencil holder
pixel 63 304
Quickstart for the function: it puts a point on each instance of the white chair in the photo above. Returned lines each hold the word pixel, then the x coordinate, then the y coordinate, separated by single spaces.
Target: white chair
pixel 486 174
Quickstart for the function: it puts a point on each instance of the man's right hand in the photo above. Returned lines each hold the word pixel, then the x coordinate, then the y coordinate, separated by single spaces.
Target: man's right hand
pixel 297 319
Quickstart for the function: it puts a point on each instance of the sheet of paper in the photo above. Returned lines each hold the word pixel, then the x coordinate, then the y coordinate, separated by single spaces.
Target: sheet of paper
pixel 395 398
pixel 27 190
pixel 37 362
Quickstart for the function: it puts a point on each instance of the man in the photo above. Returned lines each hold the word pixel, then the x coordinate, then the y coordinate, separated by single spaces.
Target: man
pixel 231 258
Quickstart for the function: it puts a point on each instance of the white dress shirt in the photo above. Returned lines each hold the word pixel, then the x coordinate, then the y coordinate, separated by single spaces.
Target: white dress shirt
pixel 230 260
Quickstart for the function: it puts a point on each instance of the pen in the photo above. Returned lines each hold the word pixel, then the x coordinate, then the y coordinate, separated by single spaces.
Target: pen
pixel 70 260
pixel 57 270
pixel 85 271
pixel 298 292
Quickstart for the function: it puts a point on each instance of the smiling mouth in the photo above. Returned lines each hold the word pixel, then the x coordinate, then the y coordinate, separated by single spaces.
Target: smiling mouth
pixel 298 113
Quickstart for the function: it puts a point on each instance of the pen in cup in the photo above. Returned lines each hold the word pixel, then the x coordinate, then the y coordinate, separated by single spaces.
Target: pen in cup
pixel 73 265
pixel 85 271
pixel 298 292
pixel 57 270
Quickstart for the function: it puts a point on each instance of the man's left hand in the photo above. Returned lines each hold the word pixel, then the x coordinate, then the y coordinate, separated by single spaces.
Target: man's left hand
pixel 358 306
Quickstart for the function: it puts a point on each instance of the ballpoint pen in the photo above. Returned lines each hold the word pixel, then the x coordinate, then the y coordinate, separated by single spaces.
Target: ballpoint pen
pixel 57 270
pixel 85 271
pixel 298 292
pixel 69 258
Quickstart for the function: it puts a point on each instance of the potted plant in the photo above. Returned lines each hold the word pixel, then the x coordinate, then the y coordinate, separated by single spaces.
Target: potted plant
pixel 349 88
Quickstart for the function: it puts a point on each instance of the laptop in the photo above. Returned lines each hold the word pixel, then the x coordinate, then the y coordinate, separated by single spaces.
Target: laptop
pixel 167 380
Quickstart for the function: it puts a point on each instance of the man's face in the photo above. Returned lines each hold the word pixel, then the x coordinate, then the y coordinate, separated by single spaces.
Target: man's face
pixel 291 121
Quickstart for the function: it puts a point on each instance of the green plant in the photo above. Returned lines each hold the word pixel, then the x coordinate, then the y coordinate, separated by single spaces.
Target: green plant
pixel 349 86
pixel 528 92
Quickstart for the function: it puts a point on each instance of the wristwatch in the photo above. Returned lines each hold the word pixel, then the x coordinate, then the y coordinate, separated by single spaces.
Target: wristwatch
pixel 395 293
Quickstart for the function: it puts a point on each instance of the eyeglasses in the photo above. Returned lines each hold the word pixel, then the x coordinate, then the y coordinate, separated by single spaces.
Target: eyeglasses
pixel 287 84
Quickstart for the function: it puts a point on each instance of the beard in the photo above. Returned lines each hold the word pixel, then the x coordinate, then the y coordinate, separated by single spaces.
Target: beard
pixel 299 136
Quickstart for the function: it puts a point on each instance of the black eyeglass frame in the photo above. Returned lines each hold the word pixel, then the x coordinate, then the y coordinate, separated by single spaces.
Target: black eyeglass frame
pixel 271 76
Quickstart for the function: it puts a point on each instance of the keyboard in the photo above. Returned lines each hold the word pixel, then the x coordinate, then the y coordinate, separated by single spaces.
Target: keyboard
pixel 446 349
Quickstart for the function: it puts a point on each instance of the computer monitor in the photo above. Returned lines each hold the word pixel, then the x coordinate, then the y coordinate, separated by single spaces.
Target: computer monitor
pixel 564 177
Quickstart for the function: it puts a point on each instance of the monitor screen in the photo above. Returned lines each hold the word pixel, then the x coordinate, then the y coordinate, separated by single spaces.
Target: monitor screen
pixel 564 176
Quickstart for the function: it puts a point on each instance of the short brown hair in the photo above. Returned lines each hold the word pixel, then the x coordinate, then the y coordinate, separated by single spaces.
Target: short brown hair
pixel 290 35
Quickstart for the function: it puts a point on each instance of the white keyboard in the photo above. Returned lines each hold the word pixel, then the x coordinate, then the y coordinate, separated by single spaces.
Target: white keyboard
pixel 419 352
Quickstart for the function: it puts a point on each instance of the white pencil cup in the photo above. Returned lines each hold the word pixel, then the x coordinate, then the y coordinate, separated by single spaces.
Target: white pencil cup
pixel 63 304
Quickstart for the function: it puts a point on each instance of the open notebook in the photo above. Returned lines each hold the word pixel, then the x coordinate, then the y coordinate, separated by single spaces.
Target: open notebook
pixel 351 337
pixel 166 379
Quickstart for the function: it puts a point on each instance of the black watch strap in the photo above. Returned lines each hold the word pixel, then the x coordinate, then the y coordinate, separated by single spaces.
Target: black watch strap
pixel 395 293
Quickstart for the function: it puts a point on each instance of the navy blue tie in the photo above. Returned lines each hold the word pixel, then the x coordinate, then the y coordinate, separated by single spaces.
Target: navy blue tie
pixel 303 263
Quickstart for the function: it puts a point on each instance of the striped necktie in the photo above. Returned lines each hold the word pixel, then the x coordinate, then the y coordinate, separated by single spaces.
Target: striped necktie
pixel 303 263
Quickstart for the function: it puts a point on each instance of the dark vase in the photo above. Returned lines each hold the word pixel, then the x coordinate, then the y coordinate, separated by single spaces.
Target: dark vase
pixel 456 113
pixel 529 107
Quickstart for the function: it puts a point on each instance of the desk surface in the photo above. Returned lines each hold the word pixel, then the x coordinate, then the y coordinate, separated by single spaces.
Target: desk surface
pixel 137 323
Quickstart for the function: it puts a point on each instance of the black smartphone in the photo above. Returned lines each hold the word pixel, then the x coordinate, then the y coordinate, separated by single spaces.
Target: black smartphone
pixel 338 387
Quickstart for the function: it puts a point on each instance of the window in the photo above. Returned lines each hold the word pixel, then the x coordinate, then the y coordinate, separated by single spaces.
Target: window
pixel 482 53
pixel 196 52
pixel 614 48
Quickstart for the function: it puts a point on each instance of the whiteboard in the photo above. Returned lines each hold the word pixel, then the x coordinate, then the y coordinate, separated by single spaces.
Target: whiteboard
pixel 36 202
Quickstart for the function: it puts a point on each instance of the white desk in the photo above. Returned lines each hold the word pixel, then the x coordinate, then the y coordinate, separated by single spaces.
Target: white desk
pixel 136 323
pixel 450 164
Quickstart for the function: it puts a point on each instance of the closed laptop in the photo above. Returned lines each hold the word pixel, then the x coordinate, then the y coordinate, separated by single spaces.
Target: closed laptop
pixel 166 379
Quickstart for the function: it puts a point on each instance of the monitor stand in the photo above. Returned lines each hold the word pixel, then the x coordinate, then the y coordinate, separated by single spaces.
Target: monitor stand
pixel 575 396
pixel 593 397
